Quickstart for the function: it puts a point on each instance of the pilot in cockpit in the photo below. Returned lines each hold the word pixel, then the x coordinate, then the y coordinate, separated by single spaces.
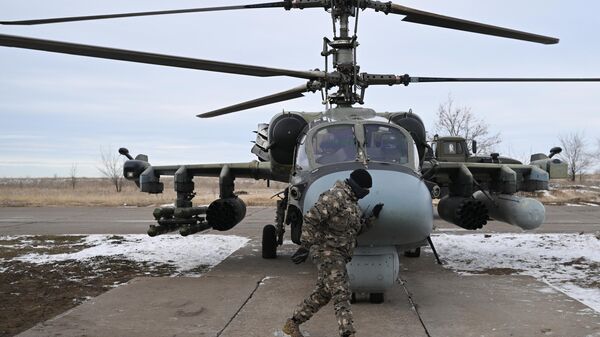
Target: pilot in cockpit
pixel 384 145
pixel 334 145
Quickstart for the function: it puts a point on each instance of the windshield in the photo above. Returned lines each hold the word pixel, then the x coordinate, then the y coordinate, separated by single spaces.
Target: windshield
pixel 453 148
pixel 385 144
pixel 334 144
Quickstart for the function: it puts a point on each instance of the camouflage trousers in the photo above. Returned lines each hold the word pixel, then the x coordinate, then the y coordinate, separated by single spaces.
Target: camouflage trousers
pixel 332 285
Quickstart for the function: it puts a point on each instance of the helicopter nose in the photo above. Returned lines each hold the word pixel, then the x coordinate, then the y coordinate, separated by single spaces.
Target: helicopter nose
pixel 407 214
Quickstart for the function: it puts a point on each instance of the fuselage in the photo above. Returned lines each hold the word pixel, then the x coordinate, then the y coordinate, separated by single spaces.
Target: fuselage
pixel 331 148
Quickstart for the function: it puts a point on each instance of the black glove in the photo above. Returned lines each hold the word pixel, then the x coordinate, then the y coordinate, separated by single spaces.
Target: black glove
pixel 377 210
pixel 300 255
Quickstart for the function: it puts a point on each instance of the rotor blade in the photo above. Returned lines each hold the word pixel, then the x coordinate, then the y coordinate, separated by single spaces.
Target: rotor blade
pixel 391 79
pixel 126 15
pixel 296 92
pixel 497 79
pixel 432 19
pixel 150 58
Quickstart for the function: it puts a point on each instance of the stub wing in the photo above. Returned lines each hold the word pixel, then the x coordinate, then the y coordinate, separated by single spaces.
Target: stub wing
pixel 147 176
pixel 222 214
pixel 472 193
pixel 462 178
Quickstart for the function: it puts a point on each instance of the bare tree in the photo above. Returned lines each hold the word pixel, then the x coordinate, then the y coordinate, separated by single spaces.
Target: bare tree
pixel 111 167
pixel 574 154
pixel 461 122
pixel 73 175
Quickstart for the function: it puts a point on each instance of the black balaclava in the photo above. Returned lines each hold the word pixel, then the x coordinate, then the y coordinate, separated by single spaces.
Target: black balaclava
pixel 360 181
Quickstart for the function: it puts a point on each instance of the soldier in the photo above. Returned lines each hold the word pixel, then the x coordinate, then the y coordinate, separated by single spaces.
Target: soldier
pixel 329 236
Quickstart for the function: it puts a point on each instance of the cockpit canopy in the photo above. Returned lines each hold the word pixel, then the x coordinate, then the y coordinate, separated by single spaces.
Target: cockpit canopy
pixel 345 142
pixel 385 143
pixel 334 144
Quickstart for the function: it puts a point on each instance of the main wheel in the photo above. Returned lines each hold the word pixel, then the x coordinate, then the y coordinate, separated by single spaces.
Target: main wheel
pixel 413 253
pixel 376 298
pixel 269 242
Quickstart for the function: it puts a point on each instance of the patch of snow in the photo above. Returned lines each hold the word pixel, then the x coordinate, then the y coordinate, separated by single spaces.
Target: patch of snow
pixel 568 262
pixel 546 194
pixel 547 290
pixel 450 230
pixel 184 253
pixel 21 246
pixel 262 282
pixel 583 191
pixel 590 204
pixel 574 205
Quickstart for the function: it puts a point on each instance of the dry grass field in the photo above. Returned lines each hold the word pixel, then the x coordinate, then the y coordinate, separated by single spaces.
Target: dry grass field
pixel 585 191
pixel 21 192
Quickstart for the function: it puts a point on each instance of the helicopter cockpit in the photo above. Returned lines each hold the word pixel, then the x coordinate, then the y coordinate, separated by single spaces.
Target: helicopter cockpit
pixel 384 143
pixel 363 142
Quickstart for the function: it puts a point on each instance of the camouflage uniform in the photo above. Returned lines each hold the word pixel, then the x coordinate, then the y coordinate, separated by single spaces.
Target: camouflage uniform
pixel 329 231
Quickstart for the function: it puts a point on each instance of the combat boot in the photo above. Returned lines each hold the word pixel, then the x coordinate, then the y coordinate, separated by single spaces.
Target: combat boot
pixel 292 328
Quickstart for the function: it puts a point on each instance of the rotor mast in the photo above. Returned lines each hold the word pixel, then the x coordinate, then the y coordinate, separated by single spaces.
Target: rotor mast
pixel 343 48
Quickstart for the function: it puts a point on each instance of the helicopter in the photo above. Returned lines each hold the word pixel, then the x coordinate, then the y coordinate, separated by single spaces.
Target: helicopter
pixel 309 151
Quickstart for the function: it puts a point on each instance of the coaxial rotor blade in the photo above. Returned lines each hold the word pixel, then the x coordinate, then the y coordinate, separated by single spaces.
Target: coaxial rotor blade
pixel 496 79
pixel 389 79
pixel 281 4
pixel 296 92
pixel 432 19
pixel 150 58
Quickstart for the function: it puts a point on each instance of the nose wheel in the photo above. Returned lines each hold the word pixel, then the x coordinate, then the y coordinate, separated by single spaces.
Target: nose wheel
pixel 269 242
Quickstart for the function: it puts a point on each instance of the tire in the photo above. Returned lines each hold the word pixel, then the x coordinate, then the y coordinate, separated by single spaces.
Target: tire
pixel 269 242
pixel 413 253
pixel 376 298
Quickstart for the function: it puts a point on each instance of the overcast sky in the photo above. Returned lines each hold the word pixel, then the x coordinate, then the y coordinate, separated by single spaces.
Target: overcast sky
pixel 57 110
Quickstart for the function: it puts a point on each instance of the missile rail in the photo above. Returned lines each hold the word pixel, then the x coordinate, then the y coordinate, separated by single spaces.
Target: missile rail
pixel 188 220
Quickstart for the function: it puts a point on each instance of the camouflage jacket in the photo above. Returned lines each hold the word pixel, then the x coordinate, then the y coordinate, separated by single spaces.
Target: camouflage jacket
pixel 334 222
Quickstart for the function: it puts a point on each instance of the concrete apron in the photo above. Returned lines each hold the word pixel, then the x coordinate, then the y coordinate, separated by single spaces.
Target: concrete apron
pixel 248 296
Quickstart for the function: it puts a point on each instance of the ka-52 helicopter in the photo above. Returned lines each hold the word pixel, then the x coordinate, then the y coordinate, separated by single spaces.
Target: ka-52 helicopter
pixel 310 151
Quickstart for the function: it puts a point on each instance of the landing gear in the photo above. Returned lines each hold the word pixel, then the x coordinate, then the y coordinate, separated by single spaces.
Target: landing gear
pixel 376 298
pixel 273 234
pixel 269 242
pixel 280 218
pixel 413 252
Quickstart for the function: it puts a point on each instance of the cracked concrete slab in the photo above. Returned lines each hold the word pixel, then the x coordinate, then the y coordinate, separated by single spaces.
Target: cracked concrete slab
pixel 451 304
pixel 229 302
pixel 156 306
pixel 277 296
